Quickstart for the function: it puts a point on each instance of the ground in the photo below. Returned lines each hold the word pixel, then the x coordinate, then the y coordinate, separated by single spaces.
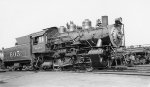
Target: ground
pixel 70 79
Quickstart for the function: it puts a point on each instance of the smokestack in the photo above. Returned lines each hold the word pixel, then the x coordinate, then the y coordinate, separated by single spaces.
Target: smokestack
pixel 104 20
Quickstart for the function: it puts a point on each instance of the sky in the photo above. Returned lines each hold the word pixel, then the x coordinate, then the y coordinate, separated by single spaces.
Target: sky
pixel 22 17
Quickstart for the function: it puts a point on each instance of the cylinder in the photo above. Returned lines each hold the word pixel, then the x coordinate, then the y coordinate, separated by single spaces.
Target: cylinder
pixel 104 20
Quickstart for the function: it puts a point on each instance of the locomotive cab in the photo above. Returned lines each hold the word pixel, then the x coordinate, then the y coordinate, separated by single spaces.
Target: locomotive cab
pixel 41 40
pixel 38 42
pixel 41 43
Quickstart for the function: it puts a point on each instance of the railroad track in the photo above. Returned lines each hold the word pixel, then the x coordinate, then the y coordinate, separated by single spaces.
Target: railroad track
pixel 129 71
pixel 114 72
pixel 142 70
pixel 124 72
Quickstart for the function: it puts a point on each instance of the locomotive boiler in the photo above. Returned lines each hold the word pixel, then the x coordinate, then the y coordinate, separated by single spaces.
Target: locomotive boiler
pixel 72 47
pixel 86 47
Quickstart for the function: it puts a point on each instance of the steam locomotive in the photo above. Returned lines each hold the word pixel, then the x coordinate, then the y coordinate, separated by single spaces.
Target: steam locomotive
pixel 72 47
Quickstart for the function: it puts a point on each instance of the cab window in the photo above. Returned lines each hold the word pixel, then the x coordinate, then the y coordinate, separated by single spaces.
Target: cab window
pixel 37 40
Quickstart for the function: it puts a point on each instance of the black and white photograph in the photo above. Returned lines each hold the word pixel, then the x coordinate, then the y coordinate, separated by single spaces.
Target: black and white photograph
pixel 74 43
